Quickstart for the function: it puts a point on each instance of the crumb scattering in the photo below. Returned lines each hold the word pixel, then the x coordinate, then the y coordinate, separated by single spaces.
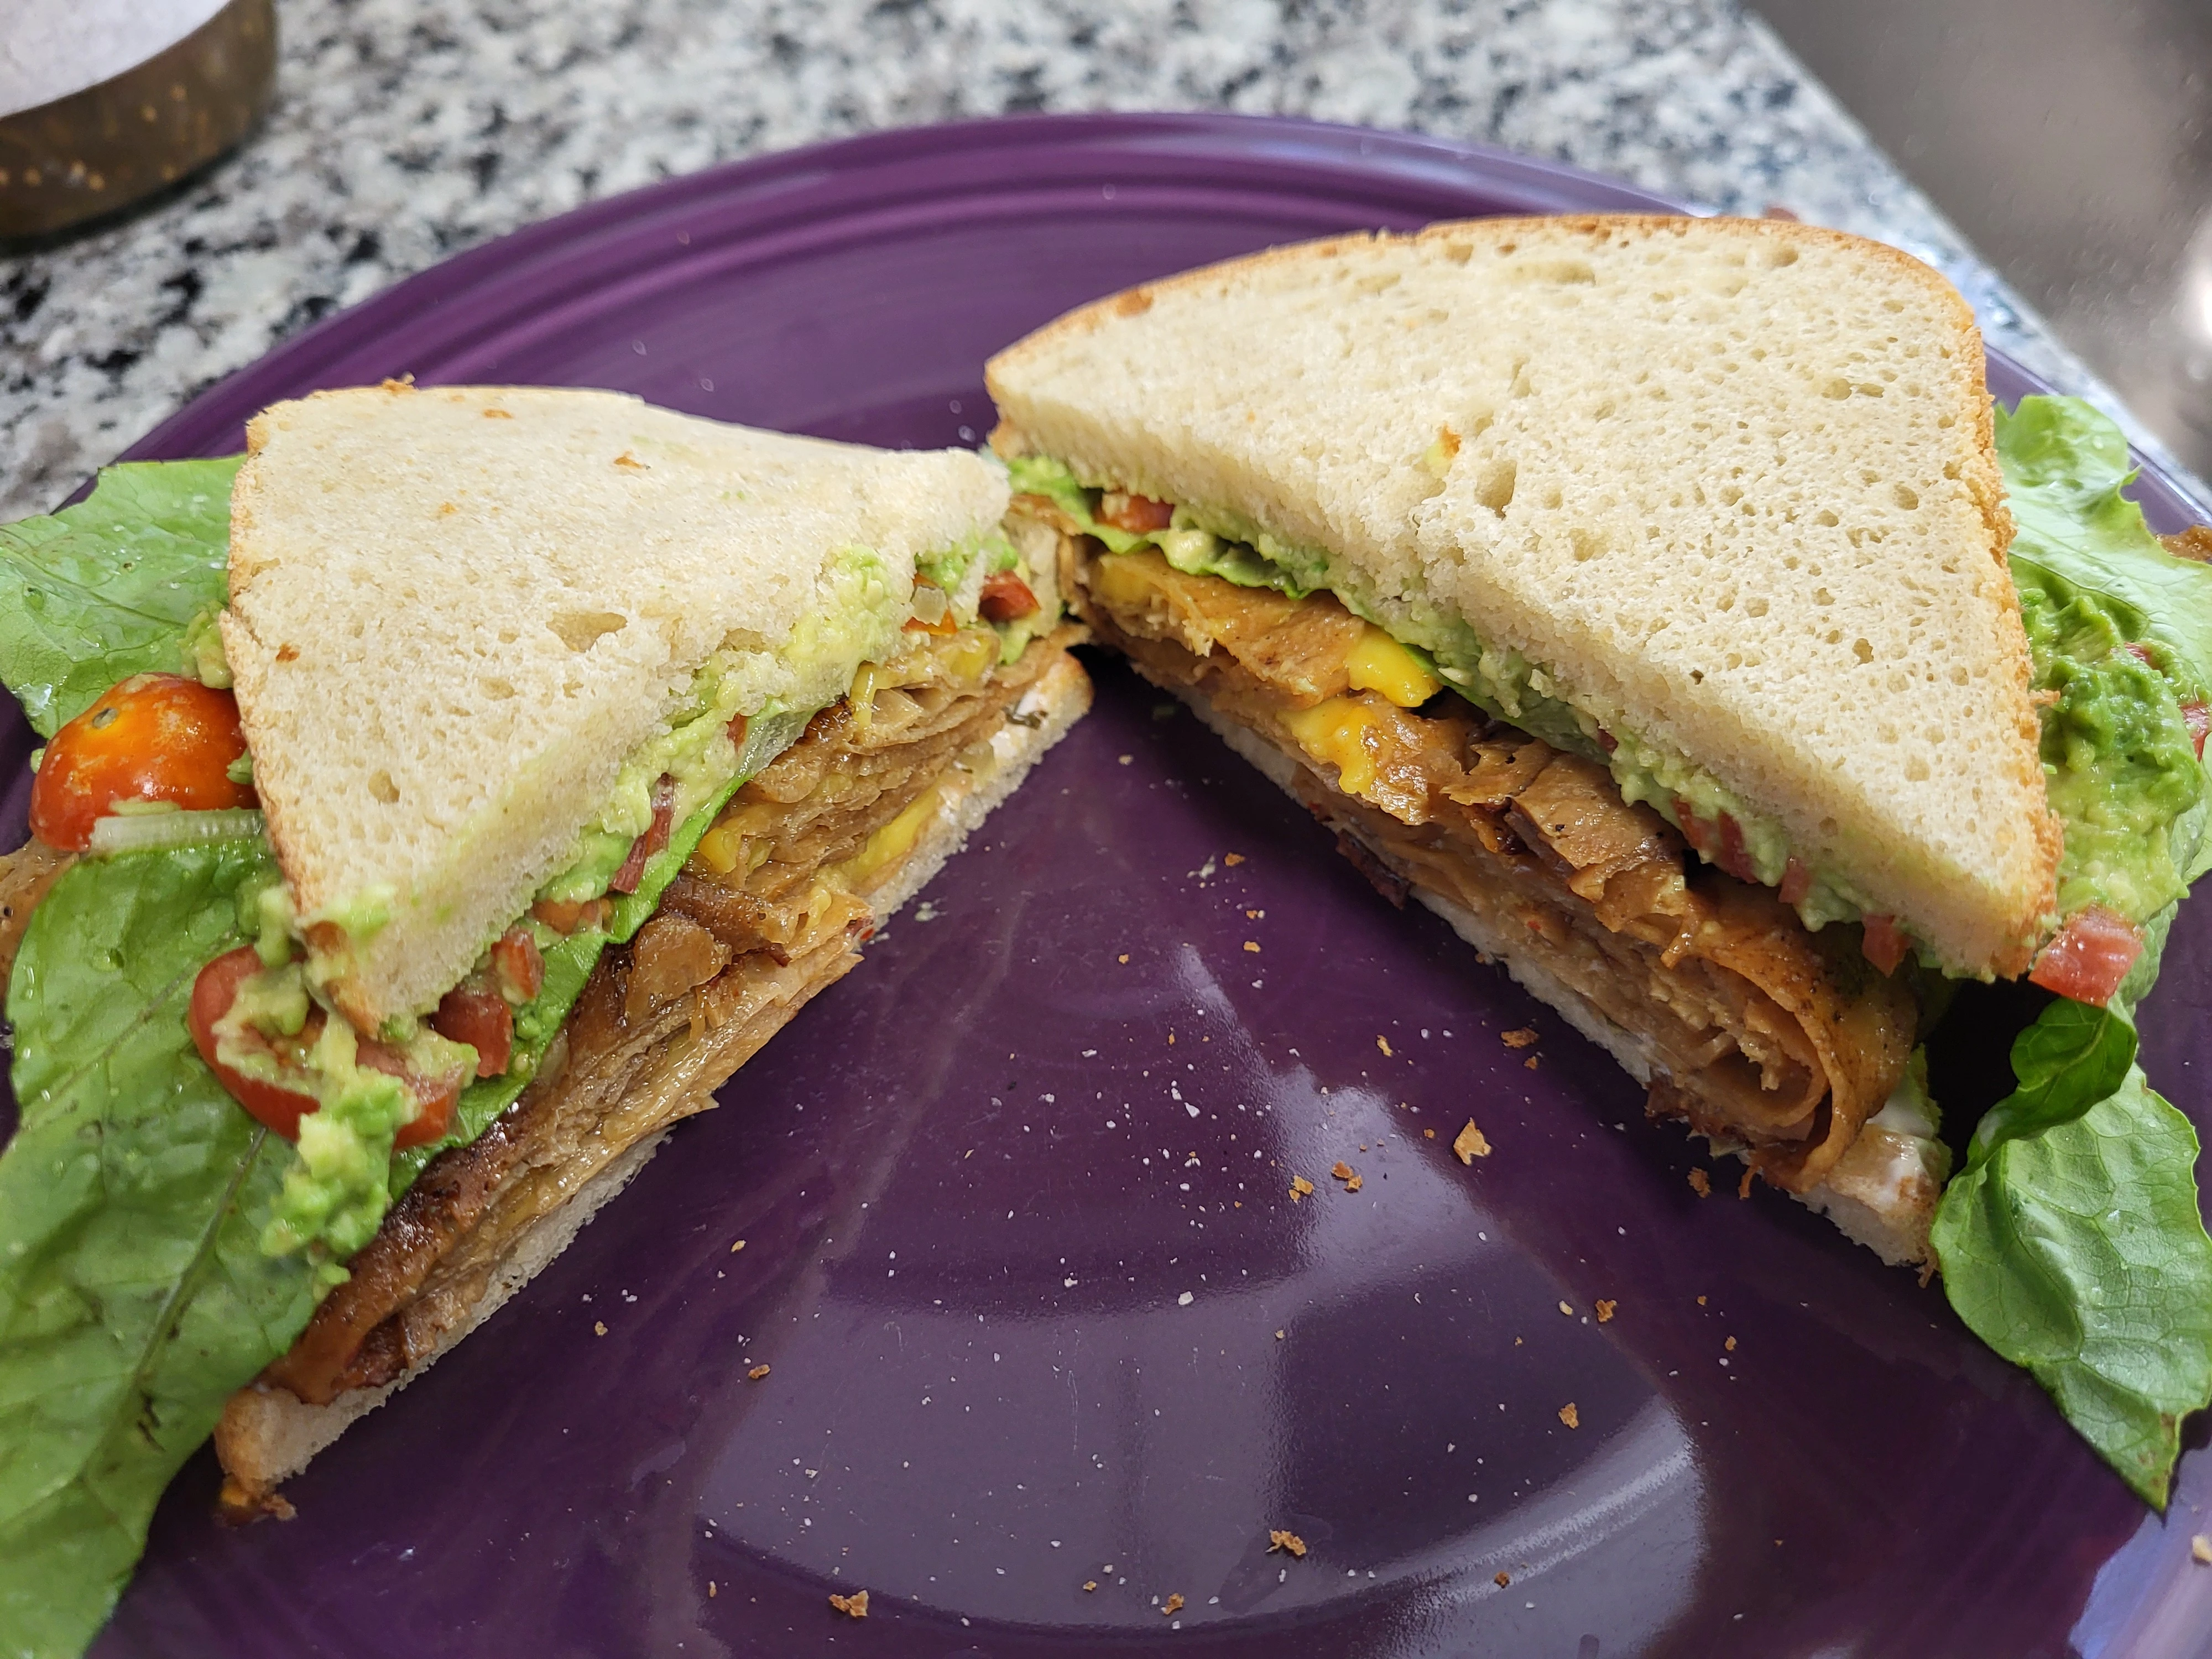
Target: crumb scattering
pixel 1252 945
pixel 735 1247
pixel 1569 1416
pixel 1300 1186
pixel 854 1606
pixel 1605 1311
pixel 1743 1186
pixel 755 1374
pixel 2200 1547
pixel 1502 1579
pixel 1383 1043
pixel 710 1589
pixel 1471 1143
pixel 1232 859
pixel 1729 1345
pixel 1125 957
pixel 1518 1039
pixel 1288 1541
pixel 1091 1583
pixel 1171 1605
pixel 1428 1134
pixel 1278 1336
pixel 1530 1062
pixel 1701 1301
pixel 1568 1309
pixel 599 1328
pixel 1342 1170
pixel 1700 1184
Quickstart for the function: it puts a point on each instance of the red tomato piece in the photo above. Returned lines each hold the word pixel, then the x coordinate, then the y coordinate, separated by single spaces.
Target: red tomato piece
pixel 2198 719
pixel 517 967
pixel 1005 597
pixel 566 916
pixel 150 738
pixel 2089 957
pixel 271 1104
pixel 1797 881
pixel 2141 652
pixel 655 838
pixel 1140 515
pixel 434 1097
pixel 1695 830
pixel 1736 857
pixel 1608 741
pixel 1885 943
pixel 482 1019
pixel 280 1107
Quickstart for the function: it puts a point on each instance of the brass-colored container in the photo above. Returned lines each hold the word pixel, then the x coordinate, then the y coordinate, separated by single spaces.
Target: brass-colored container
pixel 96 152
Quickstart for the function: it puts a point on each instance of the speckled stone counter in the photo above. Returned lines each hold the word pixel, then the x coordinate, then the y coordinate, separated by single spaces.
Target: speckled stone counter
pixel 407 129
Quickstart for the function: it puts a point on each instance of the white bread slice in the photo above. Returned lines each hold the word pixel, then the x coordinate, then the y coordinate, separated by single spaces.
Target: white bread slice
pixel 266 1435
pixel 1729 482
pixel 455 613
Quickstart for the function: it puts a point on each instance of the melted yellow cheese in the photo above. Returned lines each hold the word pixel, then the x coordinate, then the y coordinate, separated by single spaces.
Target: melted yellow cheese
pixel 1336 731
pixel 1379 663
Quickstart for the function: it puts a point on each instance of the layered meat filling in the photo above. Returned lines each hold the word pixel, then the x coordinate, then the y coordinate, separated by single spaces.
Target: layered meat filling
pixel 769 910
pixel 1761 1033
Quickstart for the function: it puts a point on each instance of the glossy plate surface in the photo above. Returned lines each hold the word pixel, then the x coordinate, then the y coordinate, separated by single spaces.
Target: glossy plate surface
pixel 1019 1249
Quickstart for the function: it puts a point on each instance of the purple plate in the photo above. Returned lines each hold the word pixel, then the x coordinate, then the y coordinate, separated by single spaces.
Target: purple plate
pixel 1020 1251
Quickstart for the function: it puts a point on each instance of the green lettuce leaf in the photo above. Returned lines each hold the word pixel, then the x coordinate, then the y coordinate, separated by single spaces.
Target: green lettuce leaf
pixel 2072 1243
pixel 2064 464
pixel 112 586
pixel 2071 1058
pixel 134 1293
pixel 2079 1254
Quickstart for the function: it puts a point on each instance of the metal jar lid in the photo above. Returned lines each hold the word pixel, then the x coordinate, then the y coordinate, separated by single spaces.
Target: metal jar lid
pixel 98 148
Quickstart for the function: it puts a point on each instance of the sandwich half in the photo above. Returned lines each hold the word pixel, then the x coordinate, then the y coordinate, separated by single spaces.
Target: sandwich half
pixel 1644 596
pixel 439 803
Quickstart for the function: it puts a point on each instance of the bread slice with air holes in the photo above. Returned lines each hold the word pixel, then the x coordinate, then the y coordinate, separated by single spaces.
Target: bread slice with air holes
pixel 1728 486
pixel 266 1435
pixel 456 612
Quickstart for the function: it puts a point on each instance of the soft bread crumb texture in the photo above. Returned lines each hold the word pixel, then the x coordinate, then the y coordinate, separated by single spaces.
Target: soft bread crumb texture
pixel 1732 480
pixel 455 613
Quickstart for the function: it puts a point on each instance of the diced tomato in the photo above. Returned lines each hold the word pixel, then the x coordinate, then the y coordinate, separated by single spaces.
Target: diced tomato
pixel 566 916
pixel 1797 881
pixel 2090 956
pixel 2198 719
pixel 653 840
pixel 1606 741
pixel 150 738
pixel 1720 841
pixel 1006 597
pixel 482 1019
pixel 1885 943
pixel 1138 514
pixel 280 1107
pixel 518 970
pixel 2141 652
pixel 738 725
pixel 1736 857
pixel 1695 830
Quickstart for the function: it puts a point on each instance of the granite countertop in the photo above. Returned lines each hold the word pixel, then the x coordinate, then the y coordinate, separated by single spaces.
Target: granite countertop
pixel 405 130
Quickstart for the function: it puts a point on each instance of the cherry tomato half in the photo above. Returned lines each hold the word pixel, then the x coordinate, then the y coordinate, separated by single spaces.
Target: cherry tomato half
pixel 153 738
pixel 279 1108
